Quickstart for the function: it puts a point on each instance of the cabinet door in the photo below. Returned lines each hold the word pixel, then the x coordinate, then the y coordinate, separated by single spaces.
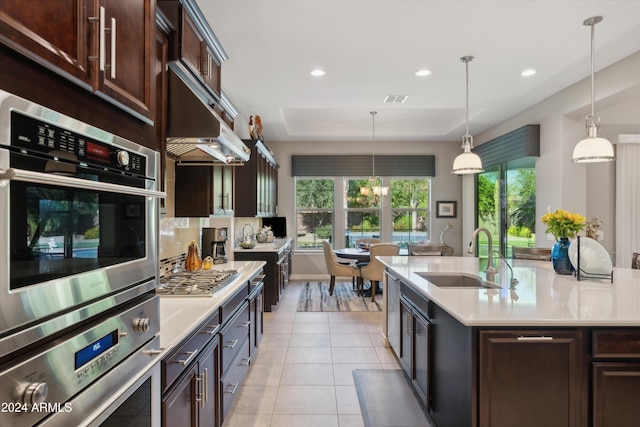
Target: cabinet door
pixel 193 194
pixel 393 313
pixel 218 190
pixel 179 406
pixel 616 387
pixel 55 33
pixel 211 72
pixel 227 189
pixel 531 379
pixel 422 358
pixel 406 338
pixel 207 400
pixel 128 75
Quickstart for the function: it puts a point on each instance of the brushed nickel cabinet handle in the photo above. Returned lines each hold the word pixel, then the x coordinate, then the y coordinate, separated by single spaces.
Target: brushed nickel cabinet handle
pixel 246 324
pixel 540 338
pixel 205 382
pixel 232 344
pixel 186 361
pixel 235 386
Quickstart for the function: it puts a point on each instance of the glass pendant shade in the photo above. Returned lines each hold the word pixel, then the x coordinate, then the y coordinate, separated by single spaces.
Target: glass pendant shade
pixel 593 150
pixel 467 163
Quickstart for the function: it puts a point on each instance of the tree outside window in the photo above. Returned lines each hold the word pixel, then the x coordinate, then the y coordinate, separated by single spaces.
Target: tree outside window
pixel 314 212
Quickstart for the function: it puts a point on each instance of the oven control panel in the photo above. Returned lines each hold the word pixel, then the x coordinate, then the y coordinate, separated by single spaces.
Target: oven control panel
pixel 37 135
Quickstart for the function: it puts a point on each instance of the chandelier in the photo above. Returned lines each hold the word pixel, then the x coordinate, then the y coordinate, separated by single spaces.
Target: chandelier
pixel 593 149
pixel 373 193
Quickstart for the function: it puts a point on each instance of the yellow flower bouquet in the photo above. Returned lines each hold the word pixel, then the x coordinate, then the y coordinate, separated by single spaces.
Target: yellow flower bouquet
pixel 563 224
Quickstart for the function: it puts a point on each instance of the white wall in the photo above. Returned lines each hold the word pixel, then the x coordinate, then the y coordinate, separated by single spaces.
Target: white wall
pixel 585 188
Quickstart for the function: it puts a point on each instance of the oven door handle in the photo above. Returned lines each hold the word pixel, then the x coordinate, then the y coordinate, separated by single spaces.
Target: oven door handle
pixel 65 181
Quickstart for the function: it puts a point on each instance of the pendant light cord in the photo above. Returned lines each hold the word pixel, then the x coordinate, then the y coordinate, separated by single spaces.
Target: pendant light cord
pixel 373 148
pixel 593 99
pixel 466 65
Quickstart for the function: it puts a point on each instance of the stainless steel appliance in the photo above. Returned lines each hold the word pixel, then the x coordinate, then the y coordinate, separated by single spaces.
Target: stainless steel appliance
pixel 78 220
pixel 79 318
pixel 68 380
pixel 214 242
pixel 201 283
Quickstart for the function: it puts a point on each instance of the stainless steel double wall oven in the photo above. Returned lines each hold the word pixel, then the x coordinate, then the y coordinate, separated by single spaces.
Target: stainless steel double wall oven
pixel 78 267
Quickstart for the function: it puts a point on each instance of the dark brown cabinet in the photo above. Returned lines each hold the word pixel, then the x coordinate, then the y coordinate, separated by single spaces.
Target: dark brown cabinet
pixel 195 45
pixel 258 179
pixel 415 348
pixel 106 47
pixel 527 372
pixel 194 400
pixel 204 190
pixel 276 271
pixel 616 377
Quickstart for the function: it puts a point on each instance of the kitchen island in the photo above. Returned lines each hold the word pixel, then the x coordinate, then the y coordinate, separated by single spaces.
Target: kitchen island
pixel 552 351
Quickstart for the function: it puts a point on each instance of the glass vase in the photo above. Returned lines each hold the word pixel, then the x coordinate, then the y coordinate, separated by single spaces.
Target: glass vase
pixel 560 257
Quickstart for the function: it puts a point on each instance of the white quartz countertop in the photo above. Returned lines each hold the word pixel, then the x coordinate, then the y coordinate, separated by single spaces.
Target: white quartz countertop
pixel 275 246
pixel 541 298
pixel 179 315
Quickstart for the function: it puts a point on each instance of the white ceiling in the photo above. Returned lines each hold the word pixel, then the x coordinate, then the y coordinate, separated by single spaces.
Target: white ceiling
pixel 372 48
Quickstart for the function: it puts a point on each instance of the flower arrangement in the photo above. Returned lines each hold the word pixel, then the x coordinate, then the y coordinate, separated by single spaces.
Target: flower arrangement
pixel 563 224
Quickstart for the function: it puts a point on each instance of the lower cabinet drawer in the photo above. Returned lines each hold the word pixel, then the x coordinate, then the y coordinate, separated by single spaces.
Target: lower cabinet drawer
pixel 231 382
pixel 617 343
pixel 233 335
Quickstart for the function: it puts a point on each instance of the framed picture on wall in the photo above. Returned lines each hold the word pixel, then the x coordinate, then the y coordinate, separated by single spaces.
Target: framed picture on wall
pixel 446 209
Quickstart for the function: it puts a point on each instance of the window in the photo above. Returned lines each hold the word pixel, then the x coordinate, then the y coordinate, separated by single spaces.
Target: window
pixel 506 196
pixel 362 212
pixel 410 210
pixel 314 211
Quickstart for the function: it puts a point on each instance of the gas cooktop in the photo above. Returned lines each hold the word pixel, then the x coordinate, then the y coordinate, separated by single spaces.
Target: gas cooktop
pixel 199 283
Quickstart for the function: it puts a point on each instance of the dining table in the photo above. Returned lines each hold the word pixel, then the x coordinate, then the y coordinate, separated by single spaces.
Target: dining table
pixel 358 254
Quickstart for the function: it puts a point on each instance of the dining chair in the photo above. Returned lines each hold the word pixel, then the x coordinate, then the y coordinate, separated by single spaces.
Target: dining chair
pixel 334 268
pixel 540 254
pixel 635 261
pixel 431 250
pixel 374 271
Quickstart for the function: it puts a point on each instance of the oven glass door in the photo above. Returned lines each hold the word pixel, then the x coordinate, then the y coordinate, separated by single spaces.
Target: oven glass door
pixel 62 231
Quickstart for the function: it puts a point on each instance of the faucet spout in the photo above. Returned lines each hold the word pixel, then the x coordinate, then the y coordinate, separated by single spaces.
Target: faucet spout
pixel 491 269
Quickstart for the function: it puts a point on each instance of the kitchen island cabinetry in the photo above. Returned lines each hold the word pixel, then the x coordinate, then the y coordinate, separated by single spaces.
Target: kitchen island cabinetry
pixel 258 181
pixel 277 256
pixel 552 351
pixel 107 47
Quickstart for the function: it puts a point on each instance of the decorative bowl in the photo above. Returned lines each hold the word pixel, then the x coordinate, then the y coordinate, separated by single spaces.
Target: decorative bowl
pixel 247 245
pixel 594 258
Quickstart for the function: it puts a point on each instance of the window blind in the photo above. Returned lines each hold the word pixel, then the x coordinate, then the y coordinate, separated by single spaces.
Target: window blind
pixel 522 142
pixel 361 165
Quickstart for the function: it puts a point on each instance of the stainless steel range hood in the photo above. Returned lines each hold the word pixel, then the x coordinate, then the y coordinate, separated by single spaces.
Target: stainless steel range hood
pixel 193 124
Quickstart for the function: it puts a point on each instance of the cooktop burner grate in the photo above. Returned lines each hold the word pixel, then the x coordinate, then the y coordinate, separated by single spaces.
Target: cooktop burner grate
pixel 200 283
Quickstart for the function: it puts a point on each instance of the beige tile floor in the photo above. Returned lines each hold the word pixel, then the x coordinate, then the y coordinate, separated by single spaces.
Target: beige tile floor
pixel 301 374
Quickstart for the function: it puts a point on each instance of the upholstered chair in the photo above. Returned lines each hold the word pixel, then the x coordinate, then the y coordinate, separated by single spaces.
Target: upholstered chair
pixel 431 250
pixel 334 268
pixel 374 271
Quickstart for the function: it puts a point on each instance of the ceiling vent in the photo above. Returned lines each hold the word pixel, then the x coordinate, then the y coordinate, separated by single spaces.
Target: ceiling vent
pixel 395 99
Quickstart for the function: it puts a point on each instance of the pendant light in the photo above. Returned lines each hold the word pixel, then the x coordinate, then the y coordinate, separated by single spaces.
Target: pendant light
pixel 592 149
pixel 372 191
pixel 467 162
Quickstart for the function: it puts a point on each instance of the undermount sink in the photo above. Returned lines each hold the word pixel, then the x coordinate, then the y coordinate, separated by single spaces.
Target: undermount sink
pixel 457 280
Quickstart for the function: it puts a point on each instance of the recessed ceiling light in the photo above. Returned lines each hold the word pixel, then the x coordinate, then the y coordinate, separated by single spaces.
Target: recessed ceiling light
pixel 423 72
pixel 528 73
pixel 318 72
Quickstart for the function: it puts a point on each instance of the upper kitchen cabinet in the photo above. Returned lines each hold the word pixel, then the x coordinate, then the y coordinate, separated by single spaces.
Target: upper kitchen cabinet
pixel 258 179
pixel 195 45
pixel 105 46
